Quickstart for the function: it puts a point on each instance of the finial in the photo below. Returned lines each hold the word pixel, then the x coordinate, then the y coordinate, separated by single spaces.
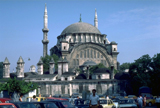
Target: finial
pixel 80 19
pixel 45 7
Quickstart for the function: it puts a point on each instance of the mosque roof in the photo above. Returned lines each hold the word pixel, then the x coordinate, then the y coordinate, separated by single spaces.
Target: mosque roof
pixel 68 74
pixel 101 71
pixel 80 27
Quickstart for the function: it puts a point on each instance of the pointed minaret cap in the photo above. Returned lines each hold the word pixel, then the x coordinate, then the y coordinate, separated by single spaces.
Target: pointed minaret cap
pixel 60 60
pixel 95 13
pixel 52 61
pixel 45 8
pixel 6 61
pixel 65 60
pixel 20 60
pixel 40 62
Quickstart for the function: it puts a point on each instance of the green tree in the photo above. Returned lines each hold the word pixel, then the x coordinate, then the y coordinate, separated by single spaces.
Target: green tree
pixel 93 68
pixel 124 66
pixel 155 75
pixel 19 86
pixel 47 59
pixel 1 69
pixel 140 72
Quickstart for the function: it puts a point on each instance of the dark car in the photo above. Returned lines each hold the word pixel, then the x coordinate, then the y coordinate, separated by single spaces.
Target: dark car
pixel 81 103
pixel 45 104
pixel 24 105
pixel 61 103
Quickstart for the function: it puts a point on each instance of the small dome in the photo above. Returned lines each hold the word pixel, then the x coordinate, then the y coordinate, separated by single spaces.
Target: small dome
pixel 89 63
pixel 113 42
pixel 80 27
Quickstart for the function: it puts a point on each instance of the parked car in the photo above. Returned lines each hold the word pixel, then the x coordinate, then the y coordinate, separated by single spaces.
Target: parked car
pixel 5 100
pixel 61 103
pixel 53 98
pixel 81 103
pixel 7 105
pixel 57 95
pixel 24 105
pixel 115 101
pixel 74 95
pixel 45 104
pixel 127 103
pixel 151 101
pixel 107 103
pixel 132 96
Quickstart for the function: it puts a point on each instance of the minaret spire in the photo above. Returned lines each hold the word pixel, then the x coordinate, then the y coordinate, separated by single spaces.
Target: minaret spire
pixel 45 30
pixel 80 20
pixel 95 19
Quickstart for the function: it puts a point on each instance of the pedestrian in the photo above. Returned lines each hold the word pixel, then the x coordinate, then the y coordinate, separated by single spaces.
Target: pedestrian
pixel 34 99
pixel 140 101
pixel 107 97
pixel 144 101
pixel 50 95
pixel 94 99
pixel 20 99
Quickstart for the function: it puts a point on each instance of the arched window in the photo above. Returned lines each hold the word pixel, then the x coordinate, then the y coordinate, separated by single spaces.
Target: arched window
pixel 114 49
pixel 64 47
pixel 65 79
pixel 99 77
pixel 104 41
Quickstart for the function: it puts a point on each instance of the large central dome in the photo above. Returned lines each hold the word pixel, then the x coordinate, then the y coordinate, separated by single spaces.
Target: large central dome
pixel 80 27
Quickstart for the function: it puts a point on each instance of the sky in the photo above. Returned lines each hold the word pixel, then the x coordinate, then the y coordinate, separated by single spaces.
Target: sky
pixel 133 24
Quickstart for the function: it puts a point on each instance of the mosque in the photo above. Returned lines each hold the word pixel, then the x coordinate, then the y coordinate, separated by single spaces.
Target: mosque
pixel 80 45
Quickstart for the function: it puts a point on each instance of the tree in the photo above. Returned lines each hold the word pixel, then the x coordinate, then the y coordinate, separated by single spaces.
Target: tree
pixel 1 69
pixel 155 75
pixel 124 66
pixel 139 71
pixel 19 86
pixel 93 68
pixel 47 59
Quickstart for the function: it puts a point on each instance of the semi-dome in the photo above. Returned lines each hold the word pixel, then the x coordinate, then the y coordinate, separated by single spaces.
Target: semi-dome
pixel 80 27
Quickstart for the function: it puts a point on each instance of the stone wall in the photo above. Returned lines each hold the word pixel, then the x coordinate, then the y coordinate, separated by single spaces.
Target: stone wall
pixel 106 86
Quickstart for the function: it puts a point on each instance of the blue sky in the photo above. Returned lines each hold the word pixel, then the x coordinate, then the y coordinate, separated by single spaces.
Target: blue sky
pixel 133 24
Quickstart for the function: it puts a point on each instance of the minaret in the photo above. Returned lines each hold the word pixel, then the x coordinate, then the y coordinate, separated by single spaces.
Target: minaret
pixel 6 68
pixel 95 19
pixel 40 67
pixel 20 67
pixel 45 30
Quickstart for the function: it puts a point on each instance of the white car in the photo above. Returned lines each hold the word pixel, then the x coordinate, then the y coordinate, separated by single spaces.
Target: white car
pixel 127 103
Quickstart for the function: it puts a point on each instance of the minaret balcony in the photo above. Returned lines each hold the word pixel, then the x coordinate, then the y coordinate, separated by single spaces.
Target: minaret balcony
pixel 45 29
pixel 45 41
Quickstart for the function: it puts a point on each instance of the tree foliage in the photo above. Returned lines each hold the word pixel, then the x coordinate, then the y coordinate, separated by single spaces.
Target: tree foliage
pixel 19 86
pixel 47 59
pixel 93 68
pixel 145 71
pixel 124 66
pixel 1 65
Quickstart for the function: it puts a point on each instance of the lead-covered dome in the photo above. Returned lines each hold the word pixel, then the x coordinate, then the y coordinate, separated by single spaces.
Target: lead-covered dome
pixel 80 27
